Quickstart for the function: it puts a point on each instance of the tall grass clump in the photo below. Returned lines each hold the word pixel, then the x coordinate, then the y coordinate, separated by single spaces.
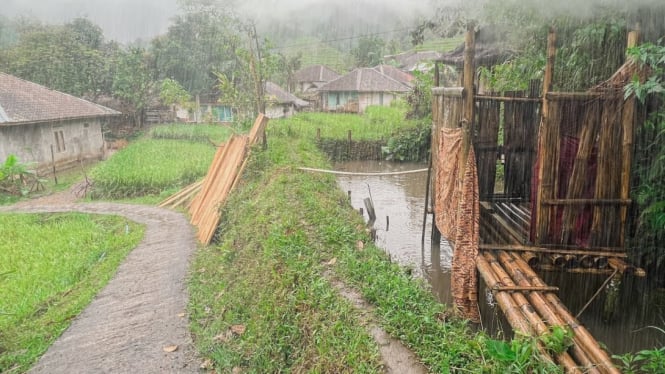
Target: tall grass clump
pixel 150 166
pixel 51 266
pixel 198 133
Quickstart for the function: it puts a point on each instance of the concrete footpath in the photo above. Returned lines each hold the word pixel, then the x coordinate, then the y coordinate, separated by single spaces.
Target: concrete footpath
pixel 135 322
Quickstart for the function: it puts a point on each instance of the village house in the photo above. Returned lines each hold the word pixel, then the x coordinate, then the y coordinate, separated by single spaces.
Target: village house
pixel 280 103
pixel 396 74
pixel 310 78
pixel 48 127
pixel 360 88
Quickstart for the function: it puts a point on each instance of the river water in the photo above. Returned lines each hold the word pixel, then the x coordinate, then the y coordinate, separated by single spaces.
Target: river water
pixel 401 198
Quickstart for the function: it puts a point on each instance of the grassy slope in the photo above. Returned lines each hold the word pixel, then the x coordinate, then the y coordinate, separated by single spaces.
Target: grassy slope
pixel 51 266
pixel 278 235
pixel 315 52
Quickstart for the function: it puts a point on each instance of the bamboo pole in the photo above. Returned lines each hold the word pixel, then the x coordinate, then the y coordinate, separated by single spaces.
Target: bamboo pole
pixel 469 73
pixel 542 213
pixel 535 321
pixel 628 127
pixel 516 269
pixel 582 335
pixel 602 252
pixel 512 312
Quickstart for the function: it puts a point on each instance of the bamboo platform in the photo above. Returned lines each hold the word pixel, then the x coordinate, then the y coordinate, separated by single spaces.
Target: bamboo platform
pixel 531 306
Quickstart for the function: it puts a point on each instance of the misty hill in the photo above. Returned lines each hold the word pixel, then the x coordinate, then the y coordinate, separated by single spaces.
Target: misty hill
pixel 340 24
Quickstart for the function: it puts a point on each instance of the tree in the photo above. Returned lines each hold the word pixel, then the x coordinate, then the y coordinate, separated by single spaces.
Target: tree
pixel 171 93
pixel 198 44
pixel 369 51
pixel 71 58
pixel 286 70
pixel 133 82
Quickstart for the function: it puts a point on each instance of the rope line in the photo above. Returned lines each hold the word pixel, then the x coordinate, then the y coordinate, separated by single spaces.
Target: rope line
pixel 363 174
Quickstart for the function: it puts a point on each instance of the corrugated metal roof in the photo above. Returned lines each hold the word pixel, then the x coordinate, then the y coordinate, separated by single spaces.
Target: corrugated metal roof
pixel 365 80
pixel 24 102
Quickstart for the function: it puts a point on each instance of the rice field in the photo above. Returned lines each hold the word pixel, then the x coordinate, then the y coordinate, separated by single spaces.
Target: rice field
pixel 376 123
pixel 51 266
pixel 196 133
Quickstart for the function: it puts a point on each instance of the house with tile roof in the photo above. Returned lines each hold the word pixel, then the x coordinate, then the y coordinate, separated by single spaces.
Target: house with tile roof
pixel 280 103
pixel 396 74
pixel 360 88
pixel 48 127
pixel 310 78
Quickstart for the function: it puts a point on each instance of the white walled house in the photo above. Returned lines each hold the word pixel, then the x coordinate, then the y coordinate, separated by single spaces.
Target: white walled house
pixel 360 88
pixel 47 127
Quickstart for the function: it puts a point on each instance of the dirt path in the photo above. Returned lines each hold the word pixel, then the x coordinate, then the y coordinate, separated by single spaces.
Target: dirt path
pixel 142 309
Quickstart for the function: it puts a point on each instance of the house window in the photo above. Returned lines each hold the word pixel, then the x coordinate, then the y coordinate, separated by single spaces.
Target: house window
pixel 59 140
pixel 86 125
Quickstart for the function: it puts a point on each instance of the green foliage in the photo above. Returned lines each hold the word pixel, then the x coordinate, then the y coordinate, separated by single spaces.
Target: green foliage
pixel 197 44
pixel 369 51
pixel 71 58
pixel 648 361
pixel 171 92
pixel 412 144
pixel 419 98
pixel 132 81
pixel 15 176
pixel 150 166
pixel 52 266
pixel 515 74
pixel 650 193
pixel 589 52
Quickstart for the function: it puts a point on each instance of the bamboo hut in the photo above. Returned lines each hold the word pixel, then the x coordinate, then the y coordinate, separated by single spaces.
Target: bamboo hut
pixel 559 203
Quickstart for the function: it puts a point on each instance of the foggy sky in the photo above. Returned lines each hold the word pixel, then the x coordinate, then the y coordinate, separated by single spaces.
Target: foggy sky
pixel 126 20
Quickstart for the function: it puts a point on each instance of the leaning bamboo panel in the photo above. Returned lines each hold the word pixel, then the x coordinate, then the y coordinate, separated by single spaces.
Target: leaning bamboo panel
pixel 213 171
pixel 181 196
pixel 223 174
pixel 258 129
pixel 205 208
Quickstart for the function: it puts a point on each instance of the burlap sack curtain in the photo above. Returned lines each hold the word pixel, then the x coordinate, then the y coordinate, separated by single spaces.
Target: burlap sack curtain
pixel 457 217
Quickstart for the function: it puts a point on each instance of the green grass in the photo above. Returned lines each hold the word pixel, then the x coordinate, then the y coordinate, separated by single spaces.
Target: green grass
pixel 150 167
pixel 315 52
pixel 279 232
pixel 198 133
pixel 51 266
pixel 375 124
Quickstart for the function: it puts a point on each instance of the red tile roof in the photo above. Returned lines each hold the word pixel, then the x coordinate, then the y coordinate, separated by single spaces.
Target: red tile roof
pixel 25 102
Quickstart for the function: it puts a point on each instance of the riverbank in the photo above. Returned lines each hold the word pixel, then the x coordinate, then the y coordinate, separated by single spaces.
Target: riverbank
pixel 263 299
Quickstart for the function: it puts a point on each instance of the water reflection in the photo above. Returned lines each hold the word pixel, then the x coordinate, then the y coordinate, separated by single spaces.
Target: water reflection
pixel 402 199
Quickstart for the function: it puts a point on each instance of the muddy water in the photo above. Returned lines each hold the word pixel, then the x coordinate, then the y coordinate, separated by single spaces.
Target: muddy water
pixel 402 199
